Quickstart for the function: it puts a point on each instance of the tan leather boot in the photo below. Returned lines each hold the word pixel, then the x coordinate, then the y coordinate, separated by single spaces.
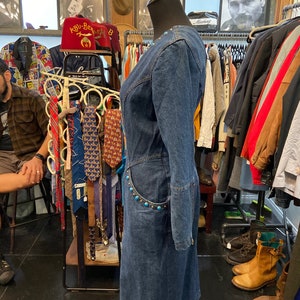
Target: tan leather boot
pixel 249 265
pixel 280 285
pixel 263 272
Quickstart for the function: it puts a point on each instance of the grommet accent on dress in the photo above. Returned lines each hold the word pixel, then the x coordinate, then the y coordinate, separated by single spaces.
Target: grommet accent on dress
pixel 138 198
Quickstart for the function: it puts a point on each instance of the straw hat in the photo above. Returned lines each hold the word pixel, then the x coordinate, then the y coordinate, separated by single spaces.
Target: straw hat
pixel 123 7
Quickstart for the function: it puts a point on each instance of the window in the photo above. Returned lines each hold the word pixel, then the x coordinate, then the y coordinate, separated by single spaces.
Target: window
pixel 32 16
pixel 44 14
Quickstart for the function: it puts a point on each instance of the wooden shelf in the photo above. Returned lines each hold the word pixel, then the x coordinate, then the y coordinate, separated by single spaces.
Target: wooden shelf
pixel 72 255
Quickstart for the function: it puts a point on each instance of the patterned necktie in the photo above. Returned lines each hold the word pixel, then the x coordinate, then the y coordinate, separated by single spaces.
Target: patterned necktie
pixel 91 144
pixel 54 123
pixel 112 148
pixel 78 174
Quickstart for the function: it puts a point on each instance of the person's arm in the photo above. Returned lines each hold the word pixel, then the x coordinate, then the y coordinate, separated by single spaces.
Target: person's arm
pixel 34 168
pixel 10 182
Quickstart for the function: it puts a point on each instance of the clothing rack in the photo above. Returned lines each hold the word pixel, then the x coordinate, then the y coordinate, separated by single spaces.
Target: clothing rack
pixel 227 36
pixel 144 34
pixel 261 196
pixel 289 8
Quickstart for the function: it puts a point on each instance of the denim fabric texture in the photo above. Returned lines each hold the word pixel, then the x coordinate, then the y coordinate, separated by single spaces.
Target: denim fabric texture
pixel 160 182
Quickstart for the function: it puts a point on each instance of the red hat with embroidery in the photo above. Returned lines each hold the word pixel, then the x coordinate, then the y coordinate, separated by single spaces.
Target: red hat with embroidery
pixel 102 39
pixel 77 35
pixel 114 36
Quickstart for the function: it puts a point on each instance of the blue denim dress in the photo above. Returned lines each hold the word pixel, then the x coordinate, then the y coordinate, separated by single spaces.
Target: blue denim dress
pixel 160 183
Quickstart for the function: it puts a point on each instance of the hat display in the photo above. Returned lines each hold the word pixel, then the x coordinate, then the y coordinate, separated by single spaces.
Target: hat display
pixel 114 36
pixel 123 7
pixel 102 38
pixel 78 35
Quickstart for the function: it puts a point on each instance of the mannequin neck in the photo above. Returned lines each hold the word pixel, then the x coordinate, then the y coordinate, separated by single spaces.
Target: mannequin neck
pixel 165 14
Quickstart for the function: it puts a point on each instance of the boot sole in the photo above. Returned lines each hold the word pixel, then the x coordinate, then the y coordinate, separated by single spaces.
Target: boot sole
pixel 234 263
pixel 270 282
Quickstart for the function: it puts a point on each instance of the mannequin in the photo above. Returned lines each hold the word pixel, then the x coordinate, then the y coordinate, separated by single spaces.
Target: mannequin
pixel 160 183
pixel 166 14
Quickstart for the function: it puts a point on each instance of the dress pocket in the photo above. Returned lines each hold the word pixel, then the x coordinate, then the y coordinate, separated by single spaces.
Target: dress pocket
pixel 138 196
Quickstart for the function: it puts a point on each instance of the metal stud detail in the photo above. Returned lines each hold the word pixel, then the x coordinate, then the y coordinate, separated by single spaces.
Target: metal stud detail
pixel 138 198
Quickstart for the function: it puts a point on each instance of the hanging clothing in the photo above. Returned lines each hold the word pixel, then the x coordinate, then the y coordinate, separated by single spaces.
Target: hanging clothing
pixel 285 158
pixel 26 60
pixel 160 183
pixel 287 176
pixel 205 138
pixel 276 74
pixel 251 78
pixel 209 111
pixel 267 141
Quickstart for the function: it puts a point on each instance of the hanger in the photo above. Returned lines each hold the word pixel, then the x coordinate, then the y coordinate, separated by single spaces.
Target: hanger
pixel 24 39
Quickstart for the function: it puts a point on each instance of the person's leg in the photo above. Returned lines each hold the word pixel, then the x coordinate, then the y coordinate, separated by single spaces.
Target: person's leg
pixel 8 164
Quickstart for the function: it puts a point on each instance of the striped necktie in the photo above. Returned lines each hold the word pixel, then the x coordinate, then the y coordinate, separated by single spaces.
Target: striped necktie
pixel 54 123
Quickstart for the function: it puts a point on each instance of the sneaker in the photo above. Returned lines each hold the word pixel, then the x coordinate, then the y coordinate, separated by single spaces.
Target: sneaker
pixel 6 273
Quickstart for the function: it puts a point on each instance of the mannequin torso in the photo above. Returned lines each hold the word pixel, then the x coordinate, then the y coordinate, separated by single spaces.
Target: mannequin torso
pixel 166 14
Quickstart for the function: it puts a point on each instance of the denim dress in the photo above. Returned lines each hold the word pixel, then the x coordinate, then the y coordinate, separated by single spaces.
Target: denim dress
pixel 160 184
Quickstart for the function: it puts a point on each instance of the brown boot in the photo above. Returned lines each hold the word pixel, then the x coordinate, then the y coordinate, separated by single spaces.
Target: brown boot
pixel 248 266
pixel 263 271
pixel 250 236
pixel 280 285
pixel 243 255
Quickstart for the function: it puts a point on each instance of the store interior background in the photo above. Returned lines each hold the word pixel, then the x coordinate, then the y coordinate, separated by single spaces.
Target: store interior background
pixel 51 37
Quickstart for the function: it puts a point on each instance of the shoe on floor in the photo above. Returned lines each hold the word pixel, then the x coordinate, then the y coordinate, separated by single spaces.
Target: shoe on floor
pixel 6 272
pixel 201 221
pixel 240 256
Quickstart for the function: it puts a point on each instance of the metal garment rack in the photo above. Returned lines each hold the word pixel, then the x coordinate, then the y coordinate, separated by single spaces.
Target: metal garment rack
pixel 258 216
pixel 230 36
pixel 144 34
pixel 289 8
pixel 78 243
pixel 227 36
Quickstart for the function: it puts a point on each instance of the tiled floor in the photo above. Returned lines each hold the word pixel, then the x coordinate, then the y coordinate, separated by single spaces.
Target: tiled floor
pixel 38 264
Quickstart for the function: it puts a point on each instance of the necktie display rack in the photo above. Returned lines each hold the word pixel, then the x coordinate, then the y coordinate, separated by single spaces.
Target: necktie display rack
pixel 86 91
